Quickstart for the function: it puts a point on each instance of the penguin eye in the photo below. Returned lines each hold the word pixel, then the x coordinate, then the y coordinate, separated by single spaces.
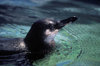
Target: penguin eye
pixel 51 27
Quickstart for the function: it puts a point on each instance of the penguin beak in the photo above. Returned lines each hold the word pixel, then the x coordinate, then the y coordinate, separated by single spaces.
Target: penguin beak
pixel 62 23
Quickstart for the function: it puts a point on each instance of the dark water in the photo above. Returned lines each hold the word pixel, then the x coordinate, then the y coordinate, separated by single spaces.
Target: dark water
pixel 79 42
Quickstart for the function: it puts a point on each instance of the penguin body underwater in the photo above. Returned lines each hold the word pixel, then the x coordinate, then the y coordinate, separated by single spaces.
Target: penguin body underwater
pixel 38 42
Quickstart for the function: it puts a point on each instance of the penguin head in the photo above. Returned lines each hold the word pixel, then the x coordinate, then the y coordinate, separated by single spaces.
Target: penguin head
pixel 46 29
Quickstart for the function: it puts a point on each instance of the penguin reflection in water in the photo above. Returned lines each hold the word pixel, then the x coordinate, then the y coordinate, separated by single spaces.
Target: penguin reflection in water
pixel 38 42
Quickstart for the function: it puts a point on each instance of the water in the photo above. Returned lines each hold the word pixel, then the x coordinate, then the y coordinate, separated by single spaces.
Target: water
pixel 79 43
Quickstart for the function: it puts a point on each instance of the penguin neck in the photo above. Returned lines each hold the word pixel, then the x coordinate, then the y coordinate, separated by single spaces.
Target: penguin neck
pixel 36 40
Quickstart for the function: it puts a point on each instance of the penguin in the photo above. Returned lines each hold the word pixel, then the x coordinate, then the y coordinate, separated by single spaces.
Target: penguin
pixel 38 42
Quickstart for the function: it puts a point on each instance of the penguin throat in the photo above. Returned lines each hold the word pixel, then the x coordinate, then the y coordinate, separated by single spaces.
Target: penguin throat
pixel 50 35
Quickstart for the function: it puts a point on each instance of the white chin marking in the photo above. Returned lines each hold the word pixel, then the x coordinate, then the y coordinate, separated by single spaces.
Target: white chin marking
pixel 50 35
pixel 48 32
